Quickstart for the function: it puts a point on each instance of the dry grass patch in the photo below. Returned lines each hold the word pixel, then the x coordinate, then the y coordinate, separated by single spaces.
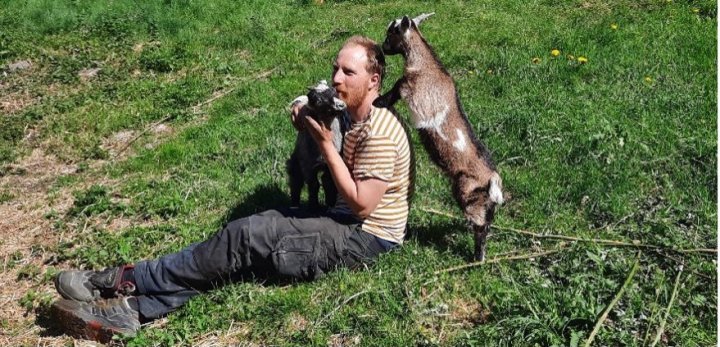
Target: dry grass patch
pixel 235 335
pixel 15 102
pixel 25 234
pixel 468 313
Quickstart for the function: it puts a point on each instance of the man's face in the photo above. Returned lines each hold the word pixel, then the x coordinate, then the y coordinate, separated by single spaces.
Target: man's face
pixel 350 76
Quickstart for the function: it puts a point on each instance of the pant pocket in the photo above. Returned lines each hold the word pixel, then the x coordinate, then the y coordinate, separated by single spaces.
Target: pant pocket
pixel 297 256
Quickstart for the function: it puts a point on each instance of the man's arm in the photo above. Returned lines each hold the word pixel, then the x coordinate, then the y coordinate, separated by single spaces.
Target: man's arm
pixel 362 195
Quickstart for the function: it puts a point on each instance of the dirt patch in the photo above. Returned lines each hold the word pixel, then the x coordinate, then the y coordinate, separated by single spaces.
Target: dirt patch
pixel 343 340
pixel 13 103
pixel 235 335
pixel 468 313
pixel 24 234
pixel 296 323
pixel 27 233
pixel 118 143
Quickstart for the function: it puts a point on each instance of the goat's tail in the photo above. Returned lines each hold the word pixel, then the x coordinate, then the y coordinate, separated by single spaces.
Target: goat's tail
pixel 496 194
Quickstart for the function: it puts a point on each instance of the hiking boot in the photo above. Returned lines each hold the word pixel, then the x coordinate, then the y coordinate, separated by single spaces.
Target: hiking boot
pixel 92 285
pixel 98 320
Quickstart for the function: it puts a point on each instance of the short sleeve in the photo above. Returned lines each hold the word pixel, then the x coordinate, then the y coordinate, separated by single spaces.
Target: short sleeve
pixel 375 157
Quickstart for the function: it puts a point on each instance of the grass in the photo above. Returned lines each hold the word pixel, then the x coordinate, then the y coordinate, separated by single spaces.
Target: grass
pixel 622 147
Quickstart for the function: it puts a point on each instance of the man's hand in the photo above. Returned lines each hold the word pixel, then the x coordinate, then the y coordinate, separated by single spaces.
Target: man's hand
pixel 322 135
pixel 297 113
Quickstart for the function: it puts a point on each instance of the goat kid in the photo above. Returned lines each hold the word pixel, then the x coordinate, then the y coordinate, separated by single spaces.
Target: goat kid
pixel 443 126
pixel 306 162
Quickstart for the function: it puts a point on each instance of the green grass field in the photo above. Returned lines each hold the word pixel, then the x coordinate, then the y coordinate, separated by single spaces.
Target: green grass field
pixel 185 126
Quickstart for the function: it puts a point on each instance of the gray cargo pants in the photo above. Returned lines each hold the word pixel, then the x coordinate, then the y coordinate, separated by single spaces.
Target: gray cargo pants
pixel 288 243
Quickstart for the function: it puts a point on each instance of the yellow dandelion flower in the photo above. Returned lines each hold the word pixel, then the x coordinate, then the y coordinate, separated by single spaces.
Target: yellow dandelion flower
pixel 696 10
pixel 613 26
pixel 555 52
pixel 582 60
pixel 536 60
pixel 648 79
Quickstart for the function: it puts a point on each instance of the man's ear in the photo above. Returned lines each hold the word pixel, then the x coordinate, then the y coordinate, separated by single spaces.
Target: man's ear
pixel 375 82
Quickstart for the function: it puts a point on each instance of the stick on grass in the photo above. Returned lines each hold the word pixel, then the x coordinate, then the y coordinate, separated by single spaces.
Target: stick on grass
pixel 661 329
pixel 614 243
pixel 614 301
pixel 497 260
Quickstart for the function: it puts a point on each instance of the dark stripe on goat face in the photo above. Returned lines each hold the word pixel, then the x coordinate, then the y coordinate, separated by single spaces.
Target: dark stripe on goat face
pixel 477 196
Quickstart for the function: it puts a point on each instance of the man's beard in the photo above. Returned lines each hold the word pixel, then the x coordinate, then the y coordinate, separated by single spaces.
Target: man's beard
pixel 352 99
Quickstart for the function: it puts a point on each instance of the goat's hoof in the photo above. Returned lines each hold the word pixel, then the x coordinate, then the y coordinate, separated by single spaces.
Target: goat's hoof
pixel 380 103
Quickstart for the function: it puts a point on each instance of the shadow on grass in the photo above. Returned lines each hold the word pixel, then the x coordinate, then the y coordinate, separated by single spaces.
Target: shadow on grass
pixel 265 197
pixel 443 236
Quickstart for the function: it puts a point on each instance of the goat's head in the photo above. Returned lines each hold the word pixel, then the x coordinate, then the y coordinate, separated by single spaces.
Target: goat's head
pixel 323 101
pixel 398 32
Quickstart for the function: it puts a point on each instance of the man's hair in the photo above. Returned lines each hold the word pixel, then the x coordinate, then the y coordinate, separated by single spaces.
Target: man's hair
pixel 376 58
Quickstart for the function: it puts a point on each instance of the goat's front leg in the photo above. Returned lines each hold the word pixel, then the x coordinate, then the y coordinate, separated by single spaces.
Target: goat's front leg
pixel 313 190
pixel 329 188
pixel 391 97
pixel 296 181
pixel 481 231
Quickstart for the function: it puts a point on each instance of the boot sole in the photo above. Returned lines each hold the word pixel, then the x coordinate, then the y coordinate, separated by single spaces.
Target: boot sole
pixel 82 327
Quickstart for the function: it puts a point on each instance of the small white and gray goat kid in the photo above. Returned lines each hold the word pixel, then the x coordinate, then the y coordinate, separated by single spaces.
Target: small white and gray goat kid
pixel 306 162
pixel 444 129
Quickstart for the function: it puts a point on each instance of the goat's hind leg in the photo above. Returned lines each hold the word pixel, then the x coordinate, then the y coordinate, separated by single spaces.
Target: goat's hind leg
pixel 479 210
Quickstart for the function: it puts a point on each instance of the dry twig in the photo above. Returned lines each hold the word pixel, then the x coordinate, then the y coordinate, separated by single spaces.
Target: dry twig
pixel 661 329
pixel 153 125
pixel 613 243
pixel 350 298
pixel 614 301
pixel 499 259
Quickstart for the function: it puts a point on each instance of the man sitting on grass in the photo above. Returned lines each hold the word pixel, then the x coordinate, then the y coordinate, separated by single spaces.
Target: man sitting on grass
pixel 373 179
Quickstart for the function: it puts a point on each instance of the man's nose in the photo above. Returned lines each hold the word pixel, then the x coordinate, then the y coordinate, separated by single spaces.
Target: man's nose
pixel 336 79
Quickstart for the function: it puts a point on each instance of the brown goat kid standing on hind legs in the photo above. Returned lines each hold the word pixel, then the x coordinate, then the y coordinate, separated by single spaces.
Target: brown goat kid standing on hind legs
pixel 444 129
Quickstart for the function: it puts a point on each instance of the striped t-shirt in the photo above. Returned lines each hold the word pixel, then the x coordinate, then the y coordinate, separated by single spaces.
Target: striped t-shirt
pixel 378 148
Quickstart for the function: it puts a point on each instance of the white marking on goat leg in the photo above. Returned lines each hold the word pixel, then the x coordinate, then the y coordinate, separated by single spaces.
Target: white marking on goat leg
pixel 460 143
pixel 435 122
pixel 496 195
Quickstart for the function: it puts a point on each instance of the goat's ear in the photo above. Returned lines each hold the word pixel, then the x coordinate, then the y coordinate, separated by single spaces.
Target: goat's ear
pixel 338 104
pixel 404 24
